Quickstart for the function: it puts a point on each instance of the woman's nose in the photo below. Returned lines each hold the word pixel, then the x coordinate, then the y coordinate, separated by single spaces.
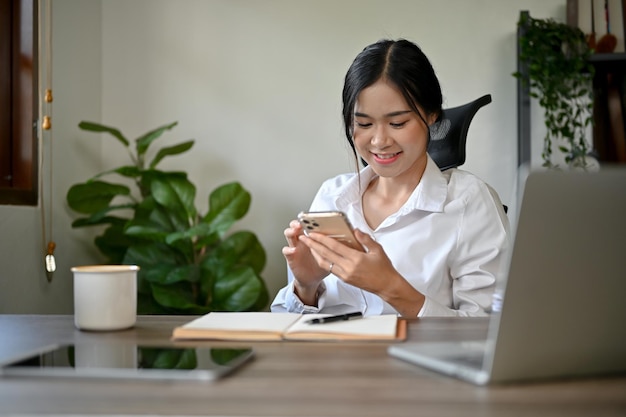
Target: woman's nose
pixel 379 137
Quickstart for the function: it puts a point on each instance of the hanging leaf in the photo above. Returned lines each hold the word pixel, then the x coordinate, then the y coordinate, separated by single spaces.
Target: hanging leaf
pixel 556 58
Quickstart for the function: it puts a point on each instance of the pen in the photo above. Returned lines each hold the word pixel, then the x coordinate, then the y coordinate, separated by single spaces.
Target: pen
pixel 340 317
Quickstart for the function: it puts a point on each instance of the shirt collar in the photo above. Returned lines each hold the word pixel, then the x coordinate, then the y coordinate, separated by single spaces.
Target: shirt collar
pixel 429 195
pixel 432 191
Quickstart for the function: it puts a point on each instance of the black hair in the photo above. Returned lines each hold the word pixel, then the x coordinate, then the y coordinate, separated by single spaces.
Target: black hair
pixel 400 62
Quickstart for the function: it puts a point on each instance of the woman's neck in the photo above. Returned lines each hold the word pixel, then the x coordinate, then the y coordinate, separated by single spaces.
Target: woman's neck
pixel 385 195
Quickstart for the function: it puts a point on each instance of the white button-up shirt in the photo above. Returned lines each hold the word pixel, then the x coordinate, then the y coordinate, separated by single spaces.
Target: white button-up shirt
pixel 448 241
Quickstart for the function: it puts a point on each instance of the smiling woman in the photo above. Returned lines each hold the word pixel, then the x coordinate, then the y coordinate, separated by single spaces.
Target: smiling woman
pixel 434 240
pixel 18 102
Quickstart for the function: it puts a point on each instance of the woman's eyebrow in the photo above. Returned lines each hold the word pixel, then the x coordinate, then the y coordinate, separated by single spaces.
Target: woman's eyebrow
pixel 392 114
pixel 398 113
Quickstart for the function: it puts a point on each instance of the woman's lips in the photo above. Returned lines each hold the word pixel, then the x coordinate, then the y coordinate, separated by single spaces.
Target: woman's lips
pixel 387 158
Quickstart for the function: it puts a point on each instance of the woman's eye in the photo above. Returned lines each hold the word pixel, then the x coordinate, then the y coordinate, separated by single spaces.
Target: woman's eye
pixel 397 125
pixel 363 125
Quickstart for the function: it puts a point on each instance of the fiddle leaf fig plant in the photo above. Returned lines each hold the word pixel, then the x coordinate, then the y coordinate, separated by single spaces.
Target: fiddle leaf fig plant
pixel 189 263
pixel 560 76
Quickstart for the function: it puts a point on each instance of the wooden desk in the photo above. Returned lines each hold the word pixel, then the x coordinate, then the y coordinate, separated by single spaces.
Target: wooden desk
pixel 293 379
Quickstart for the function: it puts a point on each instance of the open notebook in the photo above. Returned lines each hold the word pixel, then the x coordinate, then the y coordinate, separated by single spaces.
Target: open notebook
pixel 265 326
pixel 564 307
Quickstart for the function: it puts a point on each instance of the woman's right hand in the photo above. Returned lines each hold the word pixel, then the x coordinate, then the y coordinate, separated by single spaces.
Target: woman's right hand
pixel 306 271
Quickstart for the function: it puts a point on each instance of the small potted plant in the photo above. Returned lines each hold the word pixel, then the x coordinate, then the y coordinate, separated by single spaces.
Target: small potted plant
pixel 560 76
pixel 189 264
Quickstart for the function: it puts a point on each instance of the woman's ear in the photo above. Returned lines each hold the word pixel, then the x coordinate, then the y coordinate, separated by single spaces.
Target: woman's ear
pixel 432 118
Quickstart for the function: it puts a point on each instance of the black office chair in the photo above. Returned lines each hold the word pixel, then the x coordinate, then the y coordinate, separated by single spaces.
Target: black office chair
pixel 448 136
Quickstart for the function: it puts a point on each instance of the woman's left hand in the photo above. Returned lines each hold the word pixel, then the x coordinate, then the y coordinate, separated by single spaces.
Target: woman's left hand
pixel 370 270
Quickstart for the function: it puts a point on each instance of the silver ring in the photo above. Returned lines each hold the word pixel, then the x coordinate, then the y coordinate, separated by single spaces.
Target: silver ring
pixel 330 268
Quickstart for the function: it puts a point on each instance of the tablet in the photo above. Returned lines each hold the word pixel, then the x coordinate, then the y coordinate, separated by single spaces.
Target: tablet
pixel 126 361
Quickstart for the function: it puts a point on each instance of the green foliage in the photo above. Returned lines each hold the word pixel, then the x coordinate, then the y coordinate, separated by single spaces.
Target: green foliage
pixel 560 75
pixel 189 264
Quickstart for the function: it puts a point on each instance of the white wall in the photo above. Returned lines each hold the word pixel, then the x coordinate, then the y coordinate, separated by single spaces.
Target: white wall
pixel 258 85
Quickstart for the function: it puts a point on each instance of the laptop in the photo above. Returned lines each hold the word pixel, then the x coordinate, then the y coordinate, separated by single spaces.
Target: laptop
pixel 563 311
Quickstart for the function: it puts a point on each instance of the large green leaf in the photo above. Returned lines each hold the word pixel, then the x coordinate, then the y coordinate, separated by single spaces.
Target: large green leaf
pixel 178 296
pixel 94 196
pixel 178 196
pixel 156 273
pixel 236 291
pixel 146 304
pixel 171 150
pixel 171 274
pixel 200 231
pixel 150 222
pixel 207 281
pixel 129 171
pixel 96 127
pixel 147 232
pixel 184 273
pixel 153 221
pixel 147 254
pixel 144 141
pixel 113 243
pixel 149 175
pixel 227 204
pixel 98 219
pixel 263 299
pixel 151 212
pixel 241 248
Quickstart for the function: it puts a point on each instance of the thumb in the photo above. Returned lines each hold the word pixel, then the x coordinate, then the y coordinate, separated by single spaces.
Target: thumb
pixel 364 239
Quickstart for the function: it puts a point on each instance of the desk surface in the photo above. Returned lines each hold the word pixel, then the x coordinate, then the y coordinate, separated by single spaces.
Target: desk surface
pixel 293 379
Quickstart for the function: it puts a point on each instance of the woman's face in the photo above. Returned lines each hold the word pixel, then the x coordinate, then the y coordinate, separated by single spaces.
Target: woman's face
pixel 387 134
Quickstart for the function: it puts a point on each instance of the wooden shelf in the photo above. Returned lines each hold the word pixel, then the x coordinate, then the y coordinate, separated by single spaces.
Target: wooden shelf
pixel 609 90
pixel 609 62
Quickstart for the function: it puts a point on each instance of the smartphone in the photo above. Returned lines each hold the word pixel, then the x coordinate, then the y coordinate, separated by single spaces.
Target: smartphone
pixel 129 361
pixel 331 223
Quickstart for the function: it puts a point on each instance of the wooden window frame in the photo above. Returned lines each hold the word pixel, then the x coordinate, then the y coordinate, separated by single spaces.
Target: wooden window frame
pixel 18 102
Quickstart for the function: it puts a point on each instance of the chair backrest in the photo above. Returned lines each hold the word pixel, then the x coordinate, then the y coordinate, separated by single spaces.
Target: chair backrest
pixel 448 137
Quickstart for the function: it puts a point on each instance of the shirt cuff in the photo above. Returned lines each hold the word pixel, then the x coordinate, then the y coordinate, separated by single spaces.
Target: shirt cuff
pixel 432 308
pixel 294 304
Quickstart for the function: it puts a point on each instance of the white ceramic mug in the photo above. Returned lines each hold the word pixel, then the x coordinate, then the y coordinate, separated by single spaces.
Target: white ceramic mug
pixel 105 297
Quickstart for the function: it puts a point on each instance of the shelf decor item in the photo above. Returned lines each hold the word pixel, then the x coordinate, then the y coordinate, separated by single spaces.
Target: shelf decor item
pixel 556 66
pixel 189 264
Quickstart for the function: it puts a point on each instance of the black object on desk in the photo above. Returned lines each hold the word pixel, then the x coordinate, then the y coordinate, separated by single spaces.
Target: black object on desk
pixel 340 317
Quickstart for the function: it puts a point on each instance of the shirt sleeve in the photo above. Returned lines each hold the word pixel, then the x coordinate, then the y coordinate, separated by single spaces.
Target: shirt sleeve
pixel 478 259
pixel 286 301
